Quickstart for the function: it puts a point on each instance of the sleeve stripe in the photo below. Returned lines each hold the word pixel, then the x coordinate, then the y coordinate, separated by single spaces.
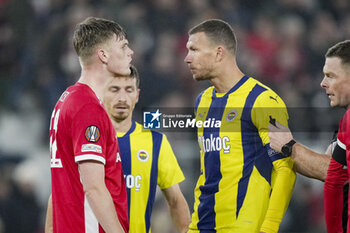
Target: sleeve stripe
pixel 90 157
pixel 342 145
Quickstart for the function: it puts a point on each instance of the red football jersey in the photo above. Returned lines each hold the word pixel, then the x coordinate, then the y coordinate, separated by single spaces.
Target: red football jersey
pixel 80 130
pixel 344 132
pixel 337 176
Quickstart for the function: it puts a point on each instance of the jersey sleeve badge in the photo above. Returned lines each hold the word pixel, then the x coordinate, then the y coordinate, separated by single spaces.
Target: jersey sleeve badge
pixel 92 133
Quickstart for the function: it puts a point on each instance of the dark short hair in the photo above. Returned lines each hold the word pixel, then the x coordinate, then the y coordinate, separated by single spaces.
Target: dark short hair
pixel 135 74
pixel 218 32
pixel 94 31
pixel 340 50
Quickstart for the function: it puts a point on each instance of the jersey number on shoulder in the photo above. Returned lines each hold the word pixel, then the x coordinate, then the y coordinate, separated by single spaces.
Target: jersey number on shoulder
pixel 55 162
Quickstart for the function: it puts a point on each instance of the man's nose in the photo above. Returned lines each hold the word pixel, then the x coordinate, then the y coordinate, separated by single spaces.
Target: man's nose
pixel 122 96
pixel 323 83
pixel 188 59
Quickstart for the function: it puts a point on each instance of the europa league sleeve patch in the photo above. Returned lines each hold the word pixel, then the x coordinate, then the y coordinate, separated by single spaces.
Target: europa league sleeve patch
pixel 92 133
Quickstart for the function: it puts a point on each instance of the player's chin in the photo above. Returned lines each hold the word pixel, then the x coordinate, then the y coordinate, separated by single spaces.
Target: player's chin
pixel 125 71
pixel 334 104
pixel 199 78
pixel 120 116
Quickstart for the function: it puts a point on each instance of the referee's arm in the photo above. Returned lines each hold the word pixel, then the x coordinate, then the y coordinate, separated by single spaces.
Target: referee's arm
pixel 307 162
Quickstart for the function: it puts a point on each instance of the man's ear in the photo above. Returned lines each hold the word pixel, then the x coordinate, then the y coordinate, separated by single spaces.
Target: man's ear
pixel 220 53
pixel 102 55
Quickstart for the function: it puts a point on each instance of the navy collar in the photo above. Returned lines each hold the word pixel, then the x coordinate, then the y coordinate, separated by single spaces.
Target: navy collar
pixel 235 87
pixel 132 128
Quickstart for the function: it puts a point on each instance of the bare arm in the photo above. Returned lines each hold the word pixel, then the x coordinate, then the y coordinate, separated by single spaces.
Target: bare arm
pixel 92 177
pixel 48 221
pixel 307 162
pixel 310 163
pixel 179 210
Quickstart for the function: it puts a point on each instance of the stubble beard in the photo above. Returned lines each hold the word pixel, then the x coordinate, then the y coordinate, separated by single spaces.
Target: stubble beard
pixel 202 77
pixel 119 117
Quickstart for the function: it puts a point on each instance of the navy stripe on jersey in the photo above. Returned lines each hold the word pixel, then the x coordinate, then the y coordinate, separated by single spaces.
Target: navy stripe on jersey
pixel 253 149
pixel 206 212
pixel 132 128
pixel 273 154
pixel 157 142
pixel 262 162
pixel 125 153
pixel 235 87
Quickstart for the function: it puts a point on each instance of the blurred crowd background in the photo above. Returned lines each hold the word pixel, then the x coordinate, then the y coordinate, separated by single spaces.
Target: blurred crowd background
pixel 280 42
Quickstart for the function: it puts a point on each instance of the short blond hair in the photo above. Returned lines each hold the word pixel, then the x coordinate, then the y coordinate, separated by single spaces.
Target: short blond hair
pixel 94 31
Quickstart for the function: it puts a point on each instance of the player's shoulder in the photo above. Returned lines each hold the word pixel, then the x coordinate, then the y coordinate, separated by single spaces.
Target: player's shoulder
pixel 145 132
pixel 344 124
pixel 80 96
pixel 267 96
pixel 205 94
pixel 346 117
pixel 257 84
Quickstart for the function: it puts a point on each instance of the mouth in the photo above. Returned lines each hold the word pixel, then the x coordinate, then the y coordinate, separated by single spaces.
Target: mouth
pixel 330 95
pixel 121 107
pixel 192 69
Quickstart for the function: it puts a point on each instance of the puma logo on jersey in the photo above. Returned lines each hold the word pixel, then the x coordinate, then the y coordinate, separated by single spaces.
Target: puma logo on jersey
pixel 275 99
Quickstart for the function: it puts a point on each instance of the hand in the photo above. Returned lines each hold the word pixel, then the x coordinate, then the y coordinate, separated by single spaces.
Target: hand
pixel 279 136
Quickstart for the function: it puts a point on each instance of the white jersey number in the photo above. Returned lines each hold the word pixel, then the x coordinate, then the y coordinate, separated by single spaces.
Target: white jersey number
pixel 57 163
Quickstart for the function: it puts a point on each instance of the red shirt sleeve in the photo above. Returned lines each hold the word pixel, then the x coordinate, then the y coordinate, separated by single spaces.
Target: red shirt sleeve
pixel 90 132
pixel 333 196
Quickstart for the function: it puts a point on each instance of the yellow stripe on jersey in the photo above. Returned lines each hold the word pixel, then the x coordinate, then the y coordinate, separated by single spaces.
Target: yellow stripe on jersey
pixel 233 191
pixel 148 161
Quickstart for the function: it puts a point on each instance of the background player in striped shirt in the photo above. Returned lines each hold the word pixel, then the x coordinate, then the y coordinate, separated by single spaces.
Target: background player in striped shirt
pixel 147 159
pixel 88 188
pixel 244 185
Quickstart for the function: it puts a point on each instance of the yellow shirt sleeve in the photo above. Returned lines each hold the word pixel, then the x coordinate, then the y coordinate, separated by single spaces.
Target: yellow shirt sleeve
pixel 283 173
pixel 169 171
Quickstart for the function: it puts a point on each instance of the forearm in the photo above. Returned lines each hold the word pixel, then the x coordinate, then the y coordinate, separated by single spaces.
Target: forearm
pixel 178 207
pixel 180 214
pixel 280 196
pixel 310 163
pixel 98 196
pixel 48 221
pixel 102 206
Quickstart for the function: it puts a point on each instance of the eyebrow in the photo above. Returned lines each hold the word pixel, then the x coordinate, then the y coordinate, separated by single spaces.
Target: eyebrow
pixel 116 86
pixel 329 73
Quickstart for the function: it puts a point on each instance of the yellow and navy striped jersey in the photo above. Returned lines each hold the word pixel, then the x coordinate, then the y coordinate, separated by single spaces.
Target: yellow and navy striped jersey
pixel 244 185
pixel 148 161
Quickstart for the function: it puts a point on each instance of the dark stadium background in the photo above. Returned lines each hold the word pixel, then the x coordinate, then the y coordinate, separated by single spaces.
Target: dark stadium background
pixel 280 42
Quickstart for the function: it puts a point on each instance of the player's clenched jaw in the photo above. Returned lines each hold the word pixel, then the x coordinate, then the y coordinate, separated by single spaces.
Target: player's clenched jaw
pixel 200 57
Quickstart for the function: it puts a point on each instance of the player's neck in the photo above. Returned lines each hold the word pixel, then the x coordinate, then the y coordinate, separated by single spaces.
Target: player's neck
pixel 226 80
pixel 95 79
pixel 122 126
